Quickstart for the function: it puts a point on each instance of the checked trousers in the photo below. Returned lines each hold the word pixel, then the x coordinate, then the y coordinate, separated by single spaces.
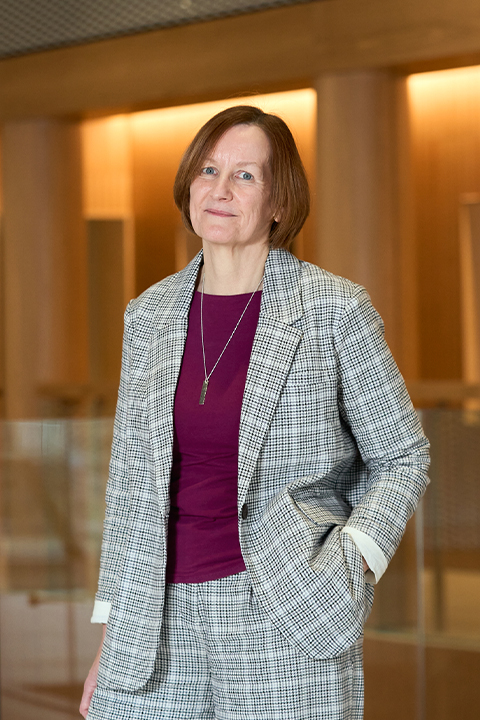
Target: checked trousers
pixel 220 657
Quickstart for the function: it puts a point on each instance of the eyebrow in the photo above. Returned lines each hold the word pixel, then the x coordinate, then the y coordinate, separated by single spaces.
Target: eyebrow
pixel 241 162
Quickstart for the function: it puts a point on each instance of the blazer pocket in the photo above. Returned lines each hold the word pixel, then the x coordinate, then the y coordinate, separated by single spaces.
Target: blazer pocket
pixel 312 397
pixel 354 567
pixel 339 559
pixel 323 512
pixel 305 379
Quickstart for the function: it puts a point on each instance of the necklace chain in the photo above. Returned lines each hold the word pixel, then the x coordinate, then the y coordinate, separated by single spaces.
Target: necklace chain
pixel 207 377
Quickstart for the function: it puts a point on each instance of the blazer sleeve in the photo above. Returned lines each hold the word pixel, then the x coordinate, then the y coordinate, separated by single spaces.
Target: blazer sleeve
pixel 115 528
pixel 374 402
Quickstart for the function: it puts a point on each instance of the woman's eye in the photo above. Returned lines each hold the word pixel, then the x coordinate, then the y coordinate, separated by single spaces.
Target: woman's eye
pixel 244 175
pixel 208 171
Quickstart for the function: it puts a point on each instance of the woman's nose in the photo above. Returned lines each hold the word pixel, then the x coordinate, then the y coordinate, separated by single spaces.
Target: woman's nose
pixel 222 189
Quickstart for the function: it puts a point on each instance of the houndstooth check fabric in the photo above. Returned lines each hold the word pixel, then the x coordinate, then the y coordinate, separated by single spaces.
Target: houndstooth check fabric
pixel 219 657
pixel 328 438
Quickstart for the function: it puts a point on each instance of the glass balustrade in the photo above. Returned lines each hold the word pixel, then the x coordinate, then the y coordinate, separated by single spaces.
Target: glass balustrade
pixel 422 641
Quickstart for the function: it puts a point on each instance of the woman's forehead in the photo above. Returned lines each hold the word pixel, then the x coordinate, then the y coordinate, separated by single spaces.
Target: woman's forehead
pixel 248 143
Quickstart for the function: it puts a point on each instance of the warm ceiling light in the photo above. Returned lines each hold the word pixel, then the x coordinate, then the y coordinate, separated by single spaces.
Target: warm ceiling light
pixel 289 105
pixel 443 88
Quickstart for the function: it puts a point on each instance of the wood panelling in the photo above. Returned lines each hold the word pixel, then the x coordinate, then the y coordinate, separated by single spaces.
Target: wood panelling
pixel 397 688
pixel 45 268
pixel 264 51
pixel 107 168
pixel 357 227
pixel 106 259
pixel 469 232
pixel 2 310
pixel 107 183
pixel 364 219
pixel 445 126
pixel 157 146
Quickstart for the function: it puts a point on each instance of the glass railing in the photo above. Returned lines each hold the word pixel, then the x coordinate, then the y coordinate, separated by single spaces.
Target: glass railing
pixel 422 641
pixel 52 504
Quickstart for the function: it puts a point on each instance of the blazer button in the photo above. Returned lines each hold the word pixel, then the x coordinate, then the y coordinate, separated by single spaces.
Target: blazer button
pixel 244 512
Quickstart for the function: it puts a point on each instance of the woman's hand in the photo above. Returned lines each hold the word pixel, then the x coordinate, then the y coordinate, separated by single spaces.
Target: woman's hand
pixel 365 566
pixel 91 681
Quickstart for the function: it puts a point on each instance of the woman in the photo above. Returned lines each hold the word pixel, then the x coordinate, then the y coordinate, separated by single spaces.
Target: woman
pixel 266 459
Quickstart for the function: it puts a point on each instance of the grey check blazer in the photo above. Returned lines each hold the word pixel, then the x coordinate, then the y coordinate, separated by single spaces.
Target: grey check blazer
pixel 328 437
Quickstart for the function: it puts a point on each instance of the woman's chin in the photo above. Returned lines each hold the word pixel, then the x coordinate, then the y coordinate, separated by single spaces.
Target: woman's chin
pixel 219 240
pixel 222 240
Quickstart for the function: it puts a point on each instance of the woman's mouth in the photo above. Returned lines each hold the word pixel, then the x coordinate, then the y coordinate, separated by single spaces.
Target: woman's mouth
pixel 219 213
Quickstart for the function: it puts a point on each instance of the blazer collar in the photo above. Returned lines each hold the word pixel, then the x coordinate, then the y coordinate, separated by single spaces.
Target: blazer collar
pixel 281 297
pixel 176 302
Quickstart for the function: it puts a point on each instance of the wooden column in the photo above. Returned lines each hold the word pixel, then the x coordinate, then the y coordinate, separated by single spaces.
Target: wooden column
pixel 358 181
pixel 360 236
pixel 45 269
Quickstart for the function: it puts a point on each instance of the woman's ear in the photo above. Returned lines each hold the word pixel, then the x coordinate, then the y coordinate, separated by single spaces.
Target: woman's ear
pixel 278 215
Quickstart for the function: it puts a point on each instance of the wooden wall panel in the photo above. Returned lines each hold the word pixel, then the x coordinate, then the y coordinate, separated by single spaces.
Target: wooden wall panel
pixel 396 689
pixel 157 147
pixel 357 229
pixel 107 183
pixel 2 310
pixel 445 124
pixel 470 288
pixel 45 269
pixel 107 167
pixel 106 305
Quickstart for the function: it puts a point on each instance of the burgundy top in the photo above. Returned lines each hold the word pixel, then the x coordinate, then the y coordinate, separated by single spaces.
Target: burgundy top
pixel 203 539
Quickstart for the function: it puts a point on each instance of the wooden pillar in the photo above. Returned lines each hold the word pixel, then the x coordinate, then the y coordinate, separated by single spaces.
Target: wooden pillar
pixel 2 310
pixel 45 269
pixel 359 217
pixel 362 235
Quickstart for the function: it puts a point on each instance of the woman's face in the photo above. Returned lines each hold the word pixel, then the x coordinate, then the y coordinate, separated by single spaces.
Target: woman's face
pixel 230 198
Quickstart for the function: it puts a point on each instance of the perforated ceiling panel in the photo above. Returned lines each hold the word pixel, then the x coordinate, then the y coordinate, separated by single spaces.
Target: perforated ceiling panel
pixel 32 25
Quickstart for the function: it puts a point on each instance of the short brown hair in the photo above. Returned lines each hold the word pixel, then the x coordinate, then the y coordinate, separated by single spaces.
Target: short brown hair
pixel 290 192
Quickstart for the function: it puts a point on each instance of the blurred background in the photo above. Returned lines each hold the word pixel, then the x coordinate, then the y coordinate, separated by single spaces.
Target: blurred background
pixel 98 100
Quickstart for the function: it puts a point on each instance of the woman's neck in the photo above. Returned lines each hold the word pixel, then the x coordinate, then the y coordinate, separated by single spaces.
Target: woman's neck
pixel 232 271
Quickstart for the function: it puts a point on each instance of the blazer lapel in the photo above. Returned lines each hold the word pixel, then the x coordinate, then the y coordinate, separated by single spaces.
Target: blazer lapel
pixel 276 341
pixel 165 359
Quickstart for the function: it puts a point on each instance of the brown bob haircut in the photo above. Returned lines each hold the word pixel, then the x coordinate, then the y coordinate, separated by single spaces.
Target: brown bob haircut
pixel 290 193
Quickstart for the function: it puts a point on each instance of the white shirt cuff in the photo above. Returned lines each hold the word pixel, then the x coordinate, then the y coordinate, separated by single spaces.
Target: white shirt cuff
pixel 374 557
pixel 101 611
